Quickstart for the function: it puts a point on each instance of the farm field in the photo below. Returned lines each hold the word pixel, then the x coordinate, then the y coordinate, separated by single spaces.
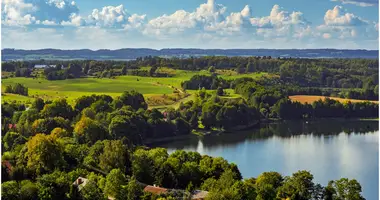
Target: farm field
pixel 310 99
pixel 150 87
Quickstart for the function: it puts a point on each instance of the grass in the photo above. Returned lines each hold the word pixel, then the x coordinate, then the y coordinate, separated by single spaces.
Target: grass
pixel 151 87
pixel 310 99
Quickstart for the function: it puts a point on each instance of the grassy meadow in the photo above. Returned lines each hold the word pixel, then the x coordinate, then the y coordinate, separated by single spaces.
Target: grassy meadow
pixel 154 89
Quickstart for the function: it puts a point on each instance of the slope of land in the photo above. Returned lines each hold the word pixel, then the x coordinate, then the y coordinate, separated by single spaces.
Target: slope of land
pixel 153 88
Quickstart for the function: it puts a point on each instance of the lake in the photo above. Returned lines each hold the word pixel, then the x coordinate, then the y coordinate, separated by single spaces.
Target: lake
pixel 329 149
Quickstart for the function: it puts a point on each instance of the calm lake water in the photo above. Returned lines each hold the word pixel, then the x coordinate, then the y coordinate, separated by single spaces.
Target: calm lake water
pixel 329 149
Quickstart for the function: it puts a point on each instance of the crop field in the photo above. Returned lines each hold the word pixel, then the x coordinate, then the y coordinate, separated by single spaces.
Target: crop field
pixel 150 87
pixel 310 99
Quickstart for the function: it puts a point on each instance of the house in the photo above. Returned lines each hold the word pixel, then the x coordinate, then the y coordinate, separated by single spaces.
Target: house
pixel 199 195
pixel 155 189
pixel 80 182
pixel 43 66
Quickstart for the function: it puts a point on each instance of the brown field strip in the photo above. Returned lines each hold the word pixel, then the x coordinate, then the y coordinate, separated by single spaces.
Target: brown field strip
pixel 310 99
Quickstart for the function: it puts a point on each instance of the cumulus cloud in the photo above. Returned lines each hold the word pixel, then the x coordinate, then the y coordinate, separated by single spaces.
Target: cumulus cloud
pixel 74 20
pixel 109 16
pixel 208 24
pixel 15 13
pixel 279 18
pixel 338 17
pixel 340 24
pixel 206 16
pixel 362 3
pixel 282 24
pixel 29 12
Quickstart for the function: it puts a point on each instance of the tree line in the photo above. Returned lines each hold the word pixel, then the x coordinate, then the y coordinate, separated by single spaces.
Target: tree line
pixel 16 89
pixel 273 102
pixel 48 146
pixel 332 73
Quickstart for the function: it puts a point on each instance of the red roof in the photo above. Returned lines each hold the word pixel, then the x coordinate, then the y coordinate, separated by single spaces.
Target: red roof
pixel 7 165
pixel 155 190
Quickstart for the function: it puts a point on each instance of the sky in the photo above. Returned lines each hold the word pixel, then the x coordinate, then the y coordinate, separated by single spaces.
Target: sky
pixel 206 24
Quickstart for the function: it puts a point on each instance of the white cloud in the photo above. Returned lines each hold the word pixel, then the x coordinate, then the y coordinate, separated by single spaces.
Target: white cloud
pixel 15 13
pixel 49 23
pixel 29 12
pixel 340 24
pixel 326 35
pixel 338 17
pixel 75 20
pixel 362 3
pixel 109 16
pixel 136 21
pixel 206 16
pixel 208 25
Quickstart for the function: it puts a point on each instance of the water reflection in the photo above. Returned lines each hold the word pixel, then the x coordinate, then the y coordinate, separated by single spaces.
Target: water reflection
pixel 330 149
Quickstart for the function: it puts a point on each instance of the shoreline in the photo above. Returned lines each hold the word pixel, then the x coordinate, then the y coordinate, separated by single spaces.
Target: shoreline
pixel 196 133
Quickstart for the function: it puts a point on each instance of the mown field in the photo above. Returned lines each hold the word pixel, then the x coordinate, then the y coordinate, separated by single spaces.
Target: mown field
pixel 150 87
pixel 310 99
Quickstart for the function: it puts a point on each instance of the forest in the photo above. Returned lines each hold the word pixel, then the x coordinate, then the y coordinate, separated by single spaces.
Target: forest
pixel 49 145
pixel 334 73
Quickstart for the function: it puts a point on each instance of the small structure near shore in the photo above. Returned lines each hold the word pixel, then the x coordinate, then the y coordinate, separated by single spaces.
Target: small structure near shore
pixel 80 182
pixel 199 195
pixel 155 189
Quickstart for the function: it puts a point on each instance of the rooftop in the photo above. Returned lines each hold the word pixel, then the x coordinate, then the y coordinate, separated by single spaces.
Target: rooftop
pixel 155 189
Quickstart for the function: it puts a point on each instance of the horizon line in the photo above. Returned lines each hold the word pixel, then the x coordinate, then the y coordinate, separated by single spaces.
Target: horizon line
pixel 195 49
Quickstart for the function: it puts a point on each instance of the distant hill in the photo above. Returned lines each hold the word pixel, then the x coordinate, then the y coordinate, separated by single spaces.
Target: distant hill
pixel 125 54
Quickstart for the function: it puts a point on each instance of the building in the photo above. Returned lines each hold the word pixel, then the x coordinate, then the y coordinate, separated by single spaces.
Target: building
pixel 199 195
pixel 155 189
pixel 43 66
pixel 80 182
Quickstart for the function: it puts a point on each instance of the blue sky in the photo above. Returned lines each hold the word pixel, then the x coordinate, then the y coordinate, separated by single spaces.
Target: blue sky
pixel 114 24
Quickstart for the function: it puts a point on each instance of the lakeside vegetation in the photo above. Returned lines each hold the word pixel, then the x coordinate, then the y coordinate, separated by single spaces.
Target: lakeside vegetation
pixel 92 118
pixel 47 147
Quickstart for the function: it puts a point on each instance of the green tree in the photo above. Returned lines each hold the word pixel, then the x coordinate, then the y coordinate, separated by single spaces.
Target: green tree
pixel 225 188
pixel 133 99
pixel 100 106
pixel 182 127
pixel 59 108
pixel 44 154
pixel 53 186
pixel 344 189
pixel 91 191
pixel 267 184
pixel 220 91
pixel 83 102
pixel 38 104
pixel 46 125
pixel 10 190
pixel 134 189
pixel 115 155
pixel 11 139
pixel 88 112
pixel 114 181
pixel 299 186
pixel 89 131
pixel 28 190
pixel 60 133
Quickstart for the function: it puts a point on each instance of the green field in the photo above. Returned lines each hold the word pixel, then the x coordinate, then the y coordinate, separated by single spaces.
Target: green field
pixel 74 88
